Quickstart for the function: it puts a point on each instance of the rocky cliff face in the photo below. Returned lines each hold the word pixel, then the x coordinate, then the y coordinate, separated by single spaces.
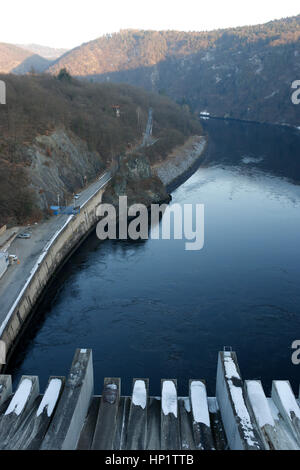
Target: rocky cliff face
pixel 136 180
pixel 61 164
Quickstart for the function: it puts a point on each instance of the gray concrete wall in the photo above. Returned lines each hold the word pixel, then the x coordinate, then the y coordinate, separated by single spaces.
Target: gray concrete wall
pixel 57 250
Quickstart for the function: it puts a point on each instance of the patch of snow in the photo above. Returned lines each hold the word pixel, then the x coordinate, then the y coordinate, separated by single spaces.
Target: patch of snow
pixel 199 403
pixel 20 398
pixel 169 398
pixel 238 399
pixel 50 398
pixel 259 403
pixel 139 394
pixel 112 386
pixel 242 412
pixel 230 367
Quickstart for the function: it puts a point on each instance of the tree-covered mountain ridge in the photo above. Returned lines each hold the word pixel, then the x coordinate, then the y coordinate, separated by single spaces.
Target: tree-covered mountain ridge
pixel 243 72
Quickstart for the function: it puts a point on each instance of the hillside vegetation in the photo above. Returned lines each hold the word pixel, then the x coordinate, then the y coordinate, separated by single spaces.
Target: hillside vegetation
pixel 19 60
pixel 44 51
pixel 46 117
pixel 242 72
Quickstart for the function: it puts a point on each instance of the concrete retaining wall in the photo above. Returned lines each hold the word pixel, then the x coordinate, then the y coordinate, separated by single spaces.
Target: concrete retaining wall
pixel 181 163
pixel 75 230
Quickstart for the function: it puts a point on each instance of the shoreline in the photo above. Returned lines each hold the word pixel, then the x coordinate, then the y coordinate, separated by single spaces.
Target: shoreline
pixel 181 163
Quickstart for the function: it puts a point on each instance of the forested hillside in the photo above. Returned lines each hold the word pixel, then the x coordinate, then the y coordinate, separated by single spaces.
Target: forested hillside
pixel 243 72
pixel 15 59
pixel 48 121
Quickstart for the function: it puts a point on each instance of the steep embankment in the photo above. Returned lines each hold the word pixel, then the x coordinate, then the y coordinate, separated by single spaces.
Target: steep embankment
pixel 57 135
pixel 60 163
pixel 243 73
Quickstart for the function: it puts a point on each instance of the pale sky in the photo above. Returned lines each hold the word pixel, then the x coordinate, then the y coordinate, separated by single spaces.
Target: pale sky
pixel 69 23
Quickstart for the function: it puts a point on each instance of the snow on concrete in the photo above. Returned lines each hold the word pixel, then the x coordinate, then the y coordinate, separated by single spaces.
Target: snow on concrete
pixel 230 367
pixel 242 412
pixel 231 372
pixel 259 403
pixel 199 403
pixel 20 398
pixel 50 398
pixel 169 398
pixel 139 394
pixel 187 404
pixel 112 386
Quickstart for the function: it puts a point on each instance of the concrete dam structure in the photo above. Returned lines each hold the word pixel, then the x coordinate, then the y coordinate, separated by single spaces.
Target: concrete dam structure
pixel 69 416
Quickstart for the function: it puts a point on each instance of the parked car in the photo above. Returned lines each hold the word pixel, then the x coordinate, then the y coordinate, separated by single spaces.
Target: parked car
pixel 24 235
pixel 13 259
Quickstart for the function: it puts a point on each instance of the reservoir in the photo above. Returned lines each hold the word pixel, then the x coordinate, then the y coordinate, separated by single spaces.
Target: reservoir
pixel 152 309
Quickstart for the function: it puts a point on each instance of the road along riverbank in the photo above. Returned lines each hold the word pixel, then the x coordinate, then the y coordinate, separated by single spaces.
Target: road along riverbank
pixel 57 250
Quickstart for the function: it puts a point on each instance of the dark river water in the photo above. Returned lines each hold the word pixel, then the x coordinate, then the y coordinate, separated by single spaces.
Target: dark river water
pixel 153 309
